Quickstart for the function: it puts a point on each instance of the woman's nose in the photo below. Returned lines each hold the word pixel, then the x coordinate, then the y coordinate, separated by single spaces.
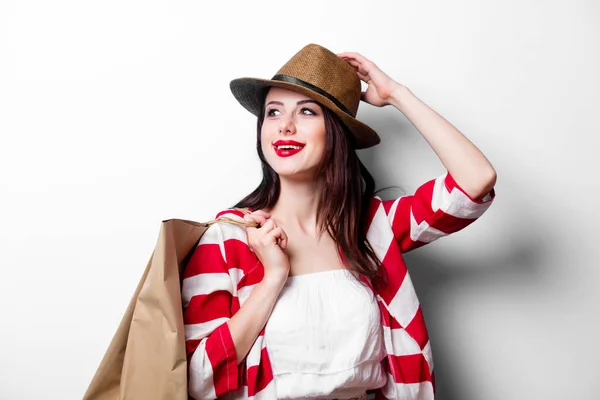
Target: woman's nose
pixel 287 126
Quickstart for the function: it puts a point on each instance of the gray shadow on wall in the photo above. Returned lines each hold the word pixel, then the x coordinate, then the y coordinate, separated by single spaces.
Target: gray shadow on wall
pixel 436 279
pixel 519 267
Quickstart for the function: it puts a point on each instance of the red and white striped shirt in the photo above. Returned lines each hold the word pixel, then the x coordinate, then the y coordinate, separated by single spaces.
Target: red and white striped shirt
pixel 223 271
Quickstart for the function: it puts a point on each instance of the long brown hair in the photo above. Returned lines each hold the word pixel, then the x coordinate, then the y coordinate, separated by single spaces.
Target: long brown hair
pixel 347 191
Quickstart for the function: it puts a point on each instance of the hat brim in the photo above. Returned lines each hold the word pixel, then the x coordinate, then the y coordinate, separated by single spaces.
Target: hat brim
pixel 247 92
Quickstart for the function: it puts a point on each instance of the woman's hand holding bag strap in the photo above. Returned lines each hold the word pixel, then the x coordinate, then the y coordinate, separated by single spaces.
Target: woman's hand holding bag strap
pixel 267 240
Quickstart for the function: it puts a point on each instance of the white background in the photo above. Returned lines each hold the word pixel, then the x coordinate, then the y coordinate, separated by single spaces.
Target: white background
pixel 115 115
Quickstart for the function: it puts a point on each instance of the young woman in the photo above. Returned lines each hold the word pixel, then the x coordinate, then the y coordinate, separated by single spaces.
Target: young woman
pixel 315 301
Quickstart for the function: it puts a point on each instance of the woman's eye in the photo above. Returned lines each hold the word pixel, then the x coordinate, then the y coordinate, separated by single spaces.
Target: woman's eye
pixel 304 111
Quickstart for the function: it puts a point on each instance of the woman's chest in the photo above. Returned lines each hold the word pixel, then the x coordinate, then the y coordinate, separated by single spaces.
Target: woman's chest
pixel 313 311
pixel 309 255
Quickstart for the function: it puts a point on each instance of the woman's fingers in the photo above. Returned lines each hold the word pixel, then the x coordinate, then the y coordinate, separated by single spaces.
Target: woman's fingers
pixel 267 231
pixel 348 54
pixel 354 56
pixel 258 216
pixel 259 219
pixel 261 212
pixel 265 225
pixel 281 236
pixel 268 226
pixel 362 73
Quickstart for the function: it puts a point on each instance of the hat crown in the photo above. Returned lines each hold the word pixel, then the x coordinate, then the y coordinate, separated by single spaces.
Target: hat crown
pixel 324 70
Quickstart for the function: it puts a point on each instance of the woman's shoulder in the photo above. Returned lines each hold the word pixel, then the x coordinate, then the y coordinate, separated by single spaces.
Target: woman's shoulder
pixel 235 213
pixel 226 225
pixel 226 235
pixel 379 212
pixel 375 204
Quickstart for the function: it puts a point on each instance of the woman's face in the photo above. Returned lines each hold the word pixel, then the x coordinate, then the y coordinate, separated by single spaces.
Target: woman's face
pixel 293 134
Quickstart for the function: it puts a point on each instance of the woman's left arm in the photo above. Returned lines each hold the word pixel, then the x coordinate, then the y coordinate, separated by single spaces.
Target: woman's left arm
pixel 464 161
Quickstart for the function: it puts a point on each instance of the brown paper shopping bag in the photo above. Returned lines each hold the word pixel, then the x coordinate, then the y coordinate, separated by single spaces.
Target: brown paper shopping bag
pixel 146 359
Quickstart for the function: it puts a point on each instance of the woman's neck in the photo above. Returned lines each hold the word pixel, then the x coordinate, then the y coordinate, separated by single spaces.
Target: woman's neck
pixel 297 205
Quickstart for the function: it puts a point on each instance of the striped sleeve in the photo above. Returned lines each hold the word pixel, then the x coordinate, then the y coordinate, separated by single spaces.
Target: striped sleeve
pixel 208 296
pixel 438 208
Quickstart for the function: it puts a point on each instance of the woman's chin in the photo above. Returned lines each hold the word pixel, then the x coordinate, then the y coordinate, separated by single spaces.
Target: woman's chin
pixel 296 175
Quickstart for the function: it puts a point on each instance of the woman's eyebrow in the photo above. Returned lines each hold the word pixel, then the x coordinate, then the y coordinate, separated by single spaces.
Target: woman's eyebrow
pixel 298 103
pixel 306 101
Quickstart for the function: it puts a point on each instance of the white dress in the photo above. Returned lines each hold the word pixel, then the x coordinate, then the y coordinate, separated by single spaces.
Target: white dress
pixel 324 337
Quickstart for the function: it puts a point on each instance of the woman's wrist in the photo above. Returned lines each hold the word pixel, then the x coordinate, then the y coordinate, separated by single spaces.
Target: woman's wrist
pixel 399 95
pixel 274 280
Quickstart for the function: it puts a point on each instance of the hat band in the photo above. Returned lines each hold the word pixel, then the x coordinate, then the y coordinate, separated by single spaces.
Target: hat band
pixel 300 82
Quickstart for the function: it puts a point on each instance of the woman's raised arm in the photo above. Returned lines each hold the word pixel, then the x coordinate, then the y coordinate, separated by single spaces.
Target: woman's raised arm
pixel 463 160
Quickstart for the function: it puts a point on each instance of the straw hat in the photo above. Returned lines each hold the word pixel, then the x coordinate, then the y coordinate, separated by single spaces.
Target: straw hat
pixel 321 75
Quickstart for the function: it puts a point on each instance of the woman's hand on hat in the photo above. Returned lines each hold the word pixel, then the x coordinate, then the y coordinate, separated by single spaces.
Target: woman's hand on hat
pixel 381 86
pixel 268 242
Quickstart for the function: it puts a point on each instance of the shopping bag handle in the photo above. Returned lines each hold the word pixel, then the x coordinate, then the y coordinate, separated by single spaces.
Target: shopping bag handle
pixel 249 224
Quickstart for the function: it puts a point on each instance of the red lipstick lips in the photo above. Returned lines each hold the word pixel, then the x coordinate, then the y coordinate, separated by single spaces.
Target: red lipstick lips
pixel 287 148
